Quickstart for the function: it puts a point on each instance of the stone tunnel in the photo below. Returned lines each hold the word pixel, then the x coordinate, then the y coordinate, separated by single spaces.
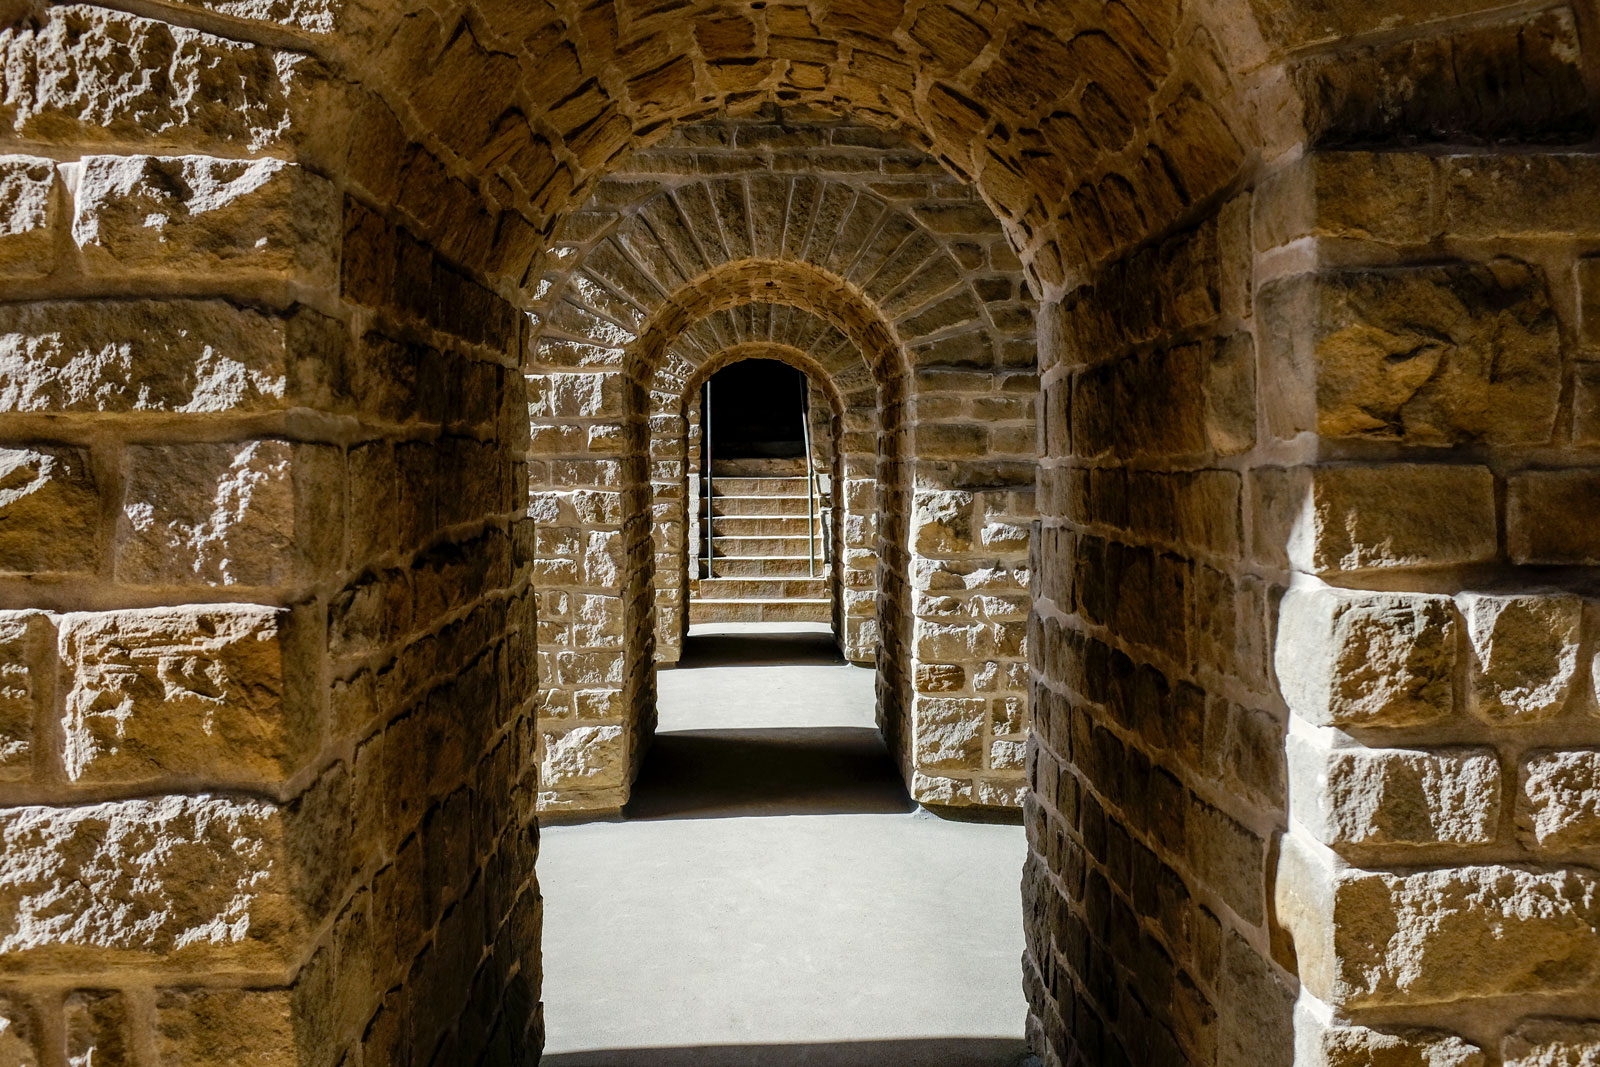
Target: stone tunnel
pixel 1209 398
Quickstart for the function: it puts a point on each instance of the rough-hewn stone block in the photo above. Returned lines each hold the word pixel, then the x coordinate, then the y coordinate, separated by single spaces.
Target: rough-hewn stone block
pixel 99 1029
pixel 22 1041
pixel 949 731
pixel 1513 194
pixel 144 355
pixel 1360 1046
pixel 235 513
pixel 584 758
pixel 209 692
pixel 1559 806
pixel 27 216
pixel 1385 196
pixel 1442 935
pixel 195 214
pixel 58 83
pixel 1552 1043
pixel 209 1028
pixel 1366 659
pixel 1424 355
pixel 1525 655
pixel 1554 517
pixel 1395 515
pixel 1390 796
pixel 184 882
pixel 27 668
pixel 49 510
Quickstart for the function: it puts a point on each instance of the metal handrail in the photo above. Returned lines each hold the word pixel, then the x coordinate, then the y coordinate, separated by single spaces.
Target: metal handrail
pixel 711 550
pixel 811 482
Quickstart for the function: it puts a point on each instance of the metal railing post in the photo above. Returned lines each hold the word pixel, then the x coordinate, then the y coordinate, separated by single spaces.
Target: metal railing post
pixel 811 483
pixel 710 533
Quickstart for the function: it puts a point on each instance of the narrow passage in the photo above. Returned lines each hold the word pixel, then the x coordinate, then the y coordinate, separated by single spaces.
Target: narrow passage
pixel 772 896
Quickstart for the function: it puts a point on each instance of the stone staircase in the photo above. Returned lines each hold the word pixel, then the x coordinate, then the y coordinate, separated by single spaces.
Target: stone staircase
pixel 761 571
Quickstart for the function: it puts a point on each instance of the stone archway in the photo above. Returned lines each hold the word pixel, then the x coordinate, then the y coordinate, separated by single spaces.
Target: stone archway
pixel 263 373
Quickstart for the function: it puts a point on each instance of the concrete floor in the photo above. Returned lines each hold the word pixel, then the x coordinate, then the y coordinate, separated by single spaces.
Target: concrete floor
pixel 772 896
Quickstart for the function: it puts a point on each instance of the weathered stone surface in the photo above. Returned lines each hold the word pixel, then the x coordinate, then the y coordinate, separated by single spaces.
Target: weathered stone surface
pixel 1525 654
pixel 1437 355
pixel 1397 515
pixel 98 1028
pixel 27 667
pixel 1366 659
pixel 1387 196
pixel 1560 802
pixel 205 691
pixel 90 75
pixel 244 1026
pixel 584 758
pixel 949 731
pixel 1471 931
pixel 186 882
pixel 1554 517
pixel 27 216
pixel 49 510
pixel 188 356
pixel 1552 1043
pixel 21 1041
pixel 235 513
pixel 197 214
pixel 1389 796
pixel 1360 1046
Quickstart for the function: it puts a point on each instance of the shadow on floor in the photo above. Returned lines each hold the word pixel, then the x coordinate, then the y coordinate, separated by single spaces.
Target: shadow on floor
pixel 800 648
pixel 714 774
pixel 910 1052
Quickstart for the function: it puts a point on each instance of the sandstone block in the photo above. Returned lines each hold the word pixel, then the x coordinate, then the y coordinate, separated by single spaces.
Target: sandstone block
pixel 27 216
pixel 1360 1046
pixel 98 1028
pixel 1366 659
pixel 213 692
pixel 148 355
pixel 1386 196
pixel 1525 655
pixel 21 1040
pixel 1559 806
pixel 184 882
pixel 1506 194
pixel 195 214
pixel 1589 301
pixel 1392 796
pixel 584 758
pixel 1395 515
pixel 49 510
pixel 232 513
pixel 1473 931
pixel 949 731
pixel 27 665
pixel 1554 517
pixel 227 1026
pixel 58 83
pixel 1552 1043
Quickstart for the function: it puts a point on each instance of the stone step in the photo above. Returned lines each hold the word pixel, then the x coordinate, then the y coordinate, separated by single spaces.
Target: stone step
pixel 758 567
pixel 762 589
pixel 737 525
pixel 758 467
pixel 763 545
pixel 758 505
pixel 755 486
pixel 759 611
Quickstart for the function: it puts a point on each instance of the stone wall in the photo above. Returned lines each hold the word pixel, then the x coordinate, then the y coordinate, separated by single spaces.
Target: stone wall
pixel 266 714
pixel 890 245
pixel 1313 694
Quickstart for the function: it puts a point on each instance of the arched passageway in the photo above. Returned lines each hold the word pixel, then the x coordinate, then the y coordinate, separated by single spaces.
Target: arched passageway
pixel 1310 695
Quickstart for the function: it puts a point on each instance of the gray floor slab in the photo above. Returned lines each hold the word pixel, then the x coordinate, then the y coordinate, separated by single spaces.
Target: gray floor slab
pixel 772 897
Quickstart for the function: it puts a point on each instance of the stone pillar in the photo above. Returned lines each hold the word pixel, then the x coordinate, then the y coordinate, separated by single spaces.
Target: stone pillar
pixel 1433 645
pixel 265 665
